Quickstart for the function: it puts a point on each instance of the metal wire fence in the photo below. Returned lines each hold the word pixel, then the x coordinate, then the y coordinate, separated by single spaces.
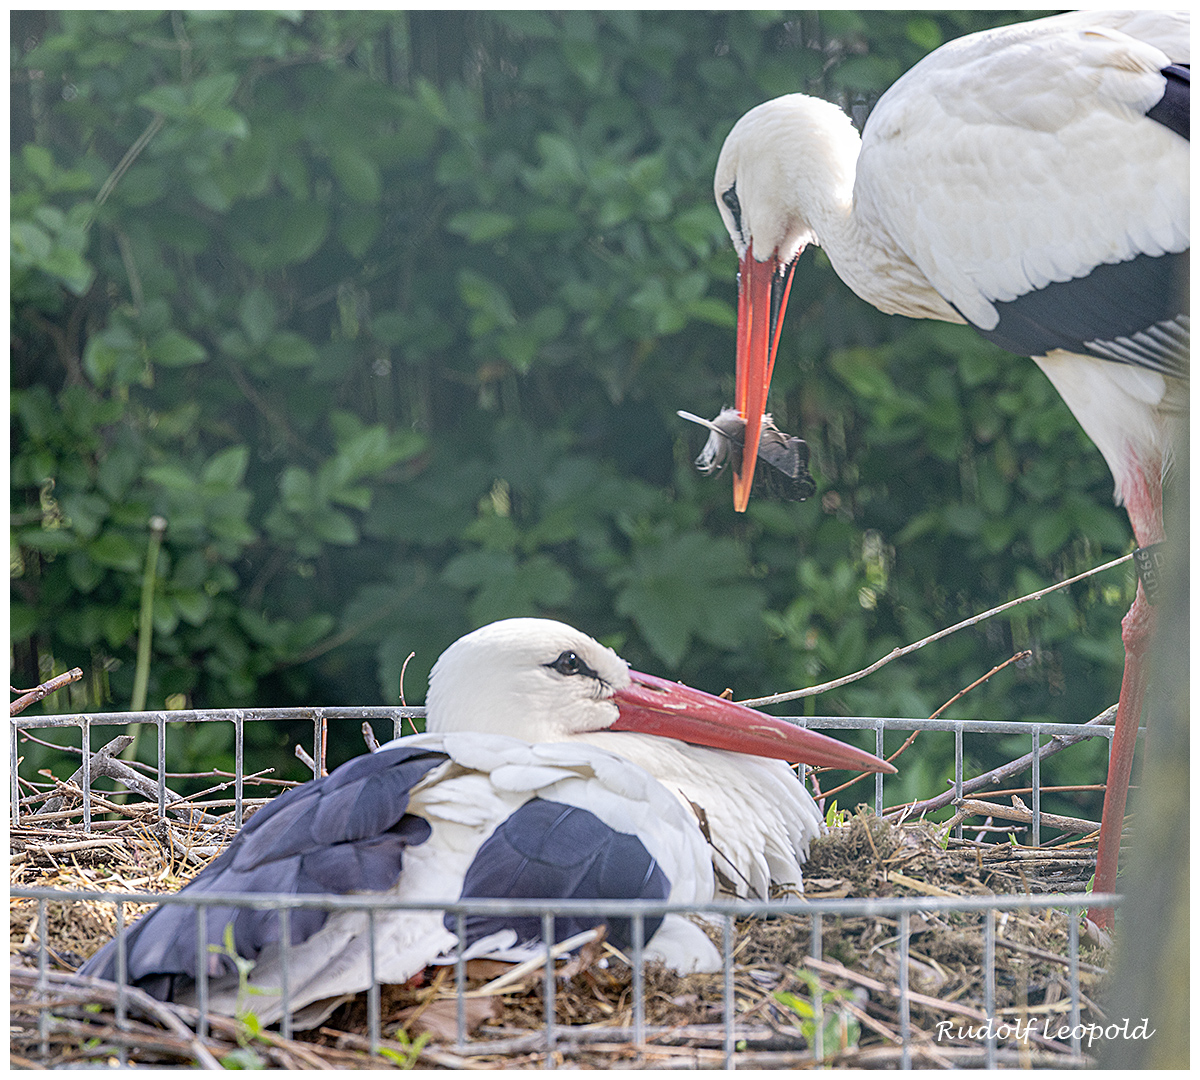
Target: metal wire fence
pixel 556 1038
pixel 320 718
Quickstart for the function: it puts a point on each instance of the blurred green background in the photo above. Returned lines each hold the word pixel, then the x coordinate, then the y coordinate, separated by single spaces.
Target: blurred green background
pixel 388 315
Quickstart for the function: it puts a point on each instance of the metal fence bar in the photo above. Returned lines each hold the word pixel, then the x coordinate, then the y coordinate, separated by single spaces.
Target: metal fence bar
pixel 85 748
pixel 285 973
pixel 548 989
pixel 958 775
pixel 1073 976
pixel 202 971
pixel 42 984
pixel 374 1005
pixel 14 763
pixel 971 727
pixel 886 906
pixel 815 950
pixel 818 1004
pixel 989 987
pixel 638 933
pixel 239 768
pixel 905 1032
pixel 123 965
pixel 1036 784
pixel 879 776
pixel 398 714
pixel 160 728
pixel 728 998
pixel 460 981
pixel 206 716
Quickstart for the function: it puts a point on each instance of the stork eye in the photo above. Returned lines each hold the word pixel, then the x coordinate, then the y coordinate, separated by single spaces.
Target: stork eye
pixel 568 663
pixel 730 199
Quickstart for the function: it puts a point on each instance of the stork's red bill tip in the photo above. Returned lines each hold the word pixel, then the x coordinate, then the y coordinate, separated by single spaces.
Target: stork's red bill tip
pixel 655 706
pixel 763 289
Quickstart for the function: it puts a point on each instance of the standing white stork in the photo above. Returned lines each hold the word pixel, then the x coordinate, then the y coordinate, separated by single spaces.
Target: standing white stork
pixel 1032 181
pixel 549 770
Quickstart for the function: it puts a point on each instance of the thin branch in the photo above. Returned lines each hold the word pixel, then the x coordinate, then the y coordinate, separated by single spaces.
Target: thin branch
pixel 403 669
pixel 913 736
pixel 131 155
pixel 994 776
pixel 29 697
pixel 351 632
pixel 104 763
pixel 1022 813
pixel 273 416
pixel 895 654
pixel 90 990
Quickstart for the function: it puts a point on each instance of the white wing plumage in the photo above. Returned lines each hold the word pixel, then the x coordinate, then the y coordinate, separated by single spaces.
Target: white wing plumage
pixel 486 779
pixel 758 813
pixel 1000 115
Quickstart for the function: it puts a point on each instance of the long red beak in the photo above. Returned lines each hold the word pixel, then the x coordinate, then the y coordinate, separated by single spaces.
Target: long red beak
pixel 763 289
pixel 655 706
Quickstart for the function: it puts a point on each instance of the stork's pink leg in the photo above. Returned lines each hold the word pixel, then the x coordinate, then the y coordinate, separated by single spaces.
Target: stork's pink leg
pixel 1144 503
pixel 1137 631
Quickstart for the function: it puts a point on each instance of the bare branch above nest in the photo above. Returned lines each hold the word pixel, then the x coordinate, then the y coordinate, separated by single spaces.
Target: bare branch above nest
pixel 895 654
pixel 994 776
pixel 30 697
pixel 1019 812
pixel 104 762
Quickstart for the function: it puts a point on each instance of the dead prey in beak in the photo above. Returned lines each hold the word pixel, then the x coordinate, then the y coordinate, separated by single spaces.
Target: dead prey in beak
pixel 787 455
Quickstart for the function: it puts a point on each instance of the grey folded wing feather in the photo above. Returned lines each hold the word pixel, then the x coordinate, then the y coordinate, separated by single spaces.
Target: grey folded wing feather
pixel 342 833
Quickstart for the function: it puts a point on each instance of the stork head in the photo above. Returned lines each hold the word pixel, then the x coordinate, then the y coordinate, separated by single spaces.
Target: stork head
pixel 543 682
pixel 533 679
pixel 785 169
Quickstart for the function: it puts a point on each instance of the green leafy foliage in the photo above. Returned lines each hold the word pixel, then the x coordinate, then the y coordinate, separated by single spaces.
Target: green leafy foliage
pixel 388 315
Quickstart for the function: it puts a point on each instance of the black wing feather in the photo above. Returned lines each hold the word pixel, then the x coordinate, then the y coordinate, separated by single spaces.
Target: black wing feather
pixel 549 850
pixel 1133 312
pixel 1174 108
pixel 345 832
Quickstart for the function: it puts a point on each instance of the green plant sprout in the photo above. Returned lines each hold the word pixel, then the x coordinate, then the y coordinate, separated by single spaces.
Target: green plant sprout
pixel 839 1028
pixel 412 1049
pixel 835 818
pixel 249 1026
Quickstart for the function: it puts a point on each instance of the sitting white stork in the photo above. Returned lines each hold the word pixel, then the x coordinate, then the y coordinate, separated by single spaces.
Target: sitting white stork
pixel 1032 181
pixel 548 770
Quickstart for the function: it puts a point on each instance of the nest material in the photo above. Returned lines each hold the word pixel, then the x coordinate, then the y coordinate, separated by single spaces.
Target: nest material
pixel 775 982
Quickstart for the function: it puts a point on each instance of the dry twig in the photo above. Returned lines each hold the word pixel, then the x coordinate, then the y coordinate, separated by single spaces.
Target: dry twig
pixel 1019 812
pixel 993 776
pixel 29 697
pixel 104 763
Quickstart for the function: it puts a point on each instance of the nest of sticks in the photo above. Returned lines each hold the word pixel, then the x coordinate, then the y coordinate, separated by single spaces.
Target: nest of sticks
pixel 782 996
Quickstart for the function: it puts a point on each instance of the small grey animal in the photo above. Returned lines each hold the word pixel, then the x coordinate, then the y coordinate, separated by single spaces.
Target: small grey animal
pixel 787 455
